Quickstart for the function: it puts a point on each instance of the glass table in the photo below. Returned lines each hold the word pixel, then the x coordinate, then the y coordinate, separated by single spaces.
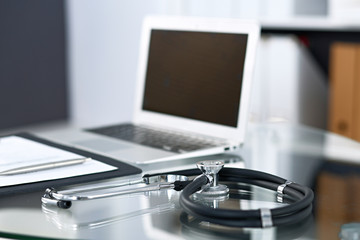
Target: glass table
pixel 325 162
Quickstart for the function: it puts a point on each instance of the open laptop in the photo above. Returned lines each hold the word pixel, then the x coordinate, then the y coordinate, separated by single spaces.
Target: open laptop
pixel 192 92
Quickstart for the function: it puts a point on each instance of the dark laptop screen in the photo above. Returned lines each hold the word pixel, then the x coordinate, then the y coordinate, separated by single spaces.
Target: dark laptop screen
pixel 196 75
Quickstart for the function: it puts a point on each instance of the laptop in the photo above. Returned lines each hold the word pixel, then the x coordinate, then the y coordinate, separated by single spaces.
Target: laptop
pixel 192 93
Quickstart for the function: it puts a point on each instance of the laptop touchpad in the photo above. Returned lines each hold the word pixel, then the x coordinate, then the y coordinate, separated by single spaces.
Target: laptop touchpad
pixel 102 145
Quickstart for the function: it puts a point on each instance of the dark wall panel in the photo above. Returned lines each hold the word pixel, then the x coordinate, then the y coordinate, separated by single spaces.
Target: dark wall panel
pixel 33 85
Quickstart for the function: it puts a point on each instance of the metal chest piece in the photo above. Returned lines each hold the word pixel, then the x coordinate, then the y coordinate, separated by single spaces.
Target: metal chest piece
pixel 211 170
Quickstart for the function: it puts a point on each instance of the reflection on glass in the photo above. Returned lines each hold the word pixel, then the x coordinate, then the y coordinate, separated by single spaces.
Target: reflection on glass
pixel 338 198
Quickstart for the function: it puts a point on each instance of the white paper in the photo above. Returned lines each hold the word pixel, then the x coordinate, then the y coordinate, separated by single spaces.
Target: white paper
pixel 18 152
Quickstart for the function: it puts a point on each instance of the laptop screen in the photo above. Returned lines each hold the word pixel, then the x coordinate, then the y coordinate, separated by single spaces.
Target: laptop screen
pixel 196 75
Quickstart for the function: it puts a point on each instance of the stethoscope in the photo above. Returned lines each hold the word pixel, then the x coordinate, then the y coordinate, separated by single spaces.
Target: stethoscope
pixel 196 191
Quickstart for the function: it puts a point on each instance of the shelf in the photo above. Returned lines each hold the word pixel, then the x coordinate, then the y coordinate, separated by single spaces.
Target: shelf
pixel 311 24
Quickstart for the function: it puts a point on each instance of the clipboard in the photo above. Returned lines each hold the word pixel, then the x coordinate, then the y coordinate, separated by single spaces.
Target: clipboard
pixel 122 169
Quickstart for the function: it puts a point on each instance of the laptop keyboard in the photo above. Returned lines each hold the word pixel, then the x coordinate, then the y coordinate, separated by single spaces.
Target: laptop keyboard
pixel 168 141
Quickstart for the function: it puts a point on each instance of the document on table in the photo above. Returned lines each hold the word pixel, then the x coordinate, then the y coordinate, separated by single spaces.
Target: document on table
pixel 16 151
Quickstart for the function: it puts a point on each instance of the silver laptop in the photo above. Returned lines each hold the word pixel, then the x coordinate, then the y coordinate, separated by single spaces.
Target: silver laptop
pixel 192 93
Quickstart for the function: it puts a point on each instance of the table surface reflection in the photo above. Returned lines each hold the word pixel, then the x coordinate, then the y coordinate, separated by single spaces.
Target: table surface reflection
pixel 325 162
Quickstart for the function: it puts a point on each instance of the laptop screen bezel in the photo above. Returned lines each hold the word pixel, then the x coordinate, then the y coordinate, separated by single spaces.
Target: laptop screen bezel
pixel 236 26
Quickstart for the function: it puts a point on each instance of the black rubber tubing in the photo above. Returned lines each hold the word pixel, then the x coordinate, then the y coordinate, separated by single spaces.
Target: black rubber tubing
pixel 287 214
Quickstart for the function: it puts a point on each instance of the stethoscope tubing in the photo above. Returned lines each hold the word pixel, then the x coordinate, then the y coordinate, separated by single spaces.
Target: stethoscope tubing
pixel 287 214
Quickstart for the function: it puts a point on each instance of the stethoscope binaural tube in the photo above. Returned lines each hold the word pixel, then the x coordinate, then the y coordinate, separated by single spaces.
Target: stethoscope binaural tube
pixel 287 214
pixel 64 199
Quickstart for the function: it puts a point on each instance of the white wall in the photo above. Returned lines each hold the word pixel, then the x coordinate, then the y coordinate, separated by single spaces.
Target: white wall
pixel 103 53
pixel 288 84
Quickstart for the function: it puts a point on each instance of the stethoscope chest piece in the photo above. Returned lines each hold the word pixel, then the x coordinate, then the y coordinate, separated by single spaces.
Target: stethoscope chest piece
pixel 213 189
